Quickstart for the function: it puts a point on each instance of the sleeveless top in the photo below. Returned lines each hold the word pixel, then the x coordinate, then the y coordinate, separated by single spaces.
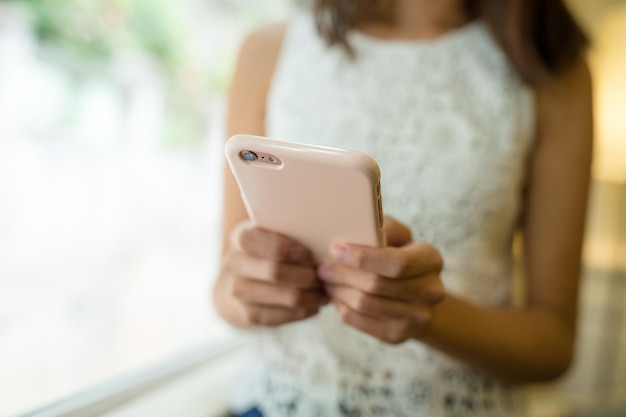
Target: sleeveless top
pixel 451 125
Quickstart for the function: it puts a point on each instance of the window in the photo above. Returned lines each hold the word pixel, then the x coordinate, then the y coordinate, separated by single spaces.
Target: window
pixel 110 147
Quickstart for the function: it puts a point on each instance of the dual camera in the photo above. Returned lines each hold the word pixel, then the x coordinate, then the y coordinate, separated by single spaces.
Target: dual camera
pixel 260 157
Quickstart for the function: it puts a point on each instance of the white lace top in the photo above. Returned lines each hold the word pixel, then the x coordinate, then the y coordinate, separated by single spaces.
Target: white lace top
pixel 450 125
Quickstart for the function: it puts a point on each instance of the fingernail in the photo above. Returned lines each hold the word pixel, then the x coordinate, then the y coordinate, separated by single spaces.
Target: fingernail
pixel 339 252
pixel 325 272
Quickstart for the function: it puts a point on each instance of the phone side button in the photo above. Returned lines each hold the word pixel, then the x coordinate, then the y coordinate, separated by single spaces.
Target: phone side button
pixel 380 212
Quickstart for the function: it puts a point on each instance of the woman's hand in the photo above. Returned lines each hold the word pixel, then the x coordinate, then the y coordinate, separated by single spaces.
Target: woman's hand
pixel 388 293
pixel 270 279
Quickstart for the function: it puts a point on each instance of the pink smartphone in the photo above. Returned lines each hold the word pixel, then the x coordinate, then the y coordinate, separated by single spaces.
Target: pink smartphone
pixel 312 194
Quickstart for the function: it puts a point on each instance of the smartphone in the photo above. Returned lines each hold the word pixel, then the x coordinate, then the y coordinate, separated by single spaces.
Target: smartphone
pixel 312 194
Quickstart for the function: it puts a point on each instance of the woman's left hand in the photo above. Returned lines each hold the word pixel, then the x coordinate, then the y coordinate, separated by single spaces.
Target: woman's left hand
pixel 388 293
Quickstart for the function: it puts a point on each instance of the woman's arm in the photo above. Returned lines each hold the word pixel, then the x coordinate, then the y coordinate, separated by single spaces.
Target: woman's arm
pixel 266 279
pixel 395 293
pixel 246 107
pixel 537 343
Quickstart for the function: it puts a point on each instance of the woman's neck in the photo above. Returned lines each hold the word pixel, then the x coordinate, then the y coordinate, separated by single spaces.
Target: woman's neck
pixel 421 19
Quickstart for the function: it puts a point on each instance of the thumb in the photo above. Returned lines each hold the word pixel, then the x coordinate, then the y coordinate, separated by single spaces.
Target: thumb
pixel 396 233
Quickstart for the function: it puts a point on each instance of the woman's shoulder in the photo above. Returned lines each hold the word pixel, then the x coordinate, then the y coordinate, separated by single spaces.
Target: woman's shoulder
pixel 256 63
pixel 261 47
pixel 265 40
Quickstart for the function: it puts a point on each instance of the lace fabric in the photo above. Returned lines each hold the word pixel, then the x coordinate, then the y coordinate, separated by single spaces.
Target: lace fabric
pixel 450 125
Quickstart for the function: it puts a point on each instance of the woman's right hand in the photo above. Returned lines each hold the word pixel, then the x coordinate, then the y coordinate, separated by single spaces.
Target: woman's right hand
pixel 267 279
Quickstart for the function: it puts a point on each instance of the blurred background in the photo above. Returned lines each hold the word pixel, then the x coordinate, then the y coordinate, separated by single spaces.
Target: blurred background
pixel 110 165
pixel 111 130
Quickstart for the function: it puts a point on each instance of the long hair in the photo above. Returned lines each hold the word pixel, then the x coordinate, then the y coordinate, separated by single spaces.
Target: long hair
pixel 539 37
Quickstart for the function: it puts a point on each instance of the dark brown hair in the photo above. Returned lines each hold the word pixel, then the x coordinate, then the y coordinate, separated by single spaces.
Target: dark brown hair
pixel 539 37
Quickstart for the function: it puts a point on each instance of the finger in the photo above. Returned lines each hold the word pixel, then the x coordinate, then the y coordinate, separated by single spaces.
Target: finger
pixel 427 288
pixel 415 259
pixel 300 276
pixel 274 316
pixel 389 331
pixel 396 233
pixel 268 245
pixel 380 307
pixel 262 293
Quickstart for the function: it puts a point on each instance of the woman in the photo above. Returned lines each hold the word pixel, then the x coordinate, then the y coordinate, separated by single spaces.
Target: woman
pixel 479 115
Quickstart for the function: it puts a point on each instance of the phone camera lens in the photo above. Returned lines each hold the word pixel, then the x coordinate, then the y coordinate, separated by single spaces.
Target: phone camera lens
pixel 249 156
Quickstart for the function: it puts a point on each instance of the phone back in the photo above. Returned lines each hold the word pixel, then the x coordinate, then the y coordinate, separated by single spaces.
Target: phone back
pixel 312 194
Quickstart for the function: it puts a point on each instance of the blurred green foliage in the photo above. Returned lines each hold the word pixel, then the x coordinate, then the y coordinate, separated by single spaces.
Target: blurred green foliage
pixel 95 30
pixel 86 35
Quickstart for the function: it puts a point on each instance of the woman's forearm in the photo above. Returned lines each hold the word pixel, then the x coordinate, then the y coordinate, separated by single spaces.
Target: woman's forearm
pixel 518 346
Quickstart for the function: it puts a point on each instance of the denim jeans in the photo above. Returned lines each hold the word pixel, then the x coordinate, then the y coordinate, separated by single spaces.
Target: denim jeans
pixel 251 413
